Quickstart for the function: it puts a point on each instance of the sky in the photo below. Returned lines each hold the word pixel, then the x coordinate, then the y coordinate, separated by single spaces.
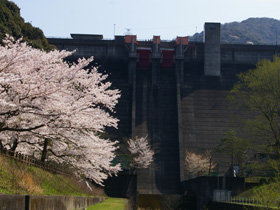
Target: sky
pixel 144 18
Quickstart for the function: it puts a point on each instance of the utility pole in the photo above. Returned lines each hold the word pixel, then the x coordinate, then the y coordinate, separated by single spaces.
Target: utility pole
pixel 114 30
pixel 276 36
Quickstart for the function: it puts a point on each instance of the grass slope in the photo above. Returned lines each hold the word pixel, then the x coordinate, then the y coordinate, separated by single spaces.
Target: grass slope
pixel 18 178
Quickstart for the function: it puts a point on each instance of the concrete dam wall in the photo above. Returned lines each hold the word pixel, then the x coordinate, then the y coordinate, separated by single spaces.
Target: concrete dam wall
pixel 174 92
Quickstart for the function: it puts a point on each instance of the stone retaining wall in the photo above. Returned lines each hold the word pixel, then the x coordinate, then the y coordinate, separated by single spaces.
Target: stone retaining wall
pixel 32 202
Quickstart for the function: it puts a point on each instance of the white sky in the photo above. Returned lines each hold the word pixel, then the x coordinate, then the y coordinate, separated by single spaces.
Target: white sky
pixel 145 18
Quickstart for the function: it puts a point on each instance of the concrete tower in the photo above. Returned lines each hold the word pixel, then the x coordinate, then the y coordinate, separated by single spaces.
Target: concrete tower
pixel 212 51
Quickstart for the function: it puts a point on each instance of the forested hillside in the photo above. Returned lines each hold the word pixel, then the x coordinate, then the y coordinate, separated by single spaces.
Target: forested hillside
pixel 13 24
pixel 251 31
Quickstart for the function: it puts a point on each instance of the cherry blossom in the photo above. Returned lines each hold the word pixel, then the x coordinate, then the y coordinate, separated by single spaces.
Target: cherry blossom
pixel 199 164
pixel 56 110
pixel 142 154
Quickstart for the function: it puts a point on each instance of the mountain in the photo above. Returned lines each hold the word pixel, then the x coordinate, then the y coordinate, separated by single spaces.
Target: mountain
pixel 256 31
pixel 13 24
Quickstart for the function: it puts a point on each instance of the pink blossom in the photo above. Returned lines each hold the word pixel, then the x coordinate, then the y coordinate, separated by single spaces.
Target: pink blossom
pixel 44 97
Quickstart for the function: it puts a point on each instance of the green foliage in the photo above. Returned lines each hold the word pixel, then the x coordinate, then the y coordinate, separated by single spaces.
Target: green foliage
pixel 273 164
pixel 236 147
pixel 13 24
pixel 258 93
pixel 265 196
pixel 269 194
pixel 253 30
pixel 258 90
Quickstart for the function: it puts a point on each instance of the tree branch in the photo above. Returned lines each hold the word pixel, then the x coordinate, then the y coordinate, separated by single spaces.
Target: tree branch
pixel 22 129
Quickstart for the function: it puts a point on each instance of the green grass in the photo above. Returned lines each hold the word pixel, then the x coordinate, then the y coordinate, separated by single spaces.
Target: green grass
pixel 250 193
pixel 265 194
pixel 18 178
pixel 110 204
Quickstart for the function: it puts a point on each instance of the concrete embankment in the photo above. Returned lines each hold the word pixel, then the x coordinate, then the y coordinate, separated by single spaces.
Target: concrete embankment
pixel 32 202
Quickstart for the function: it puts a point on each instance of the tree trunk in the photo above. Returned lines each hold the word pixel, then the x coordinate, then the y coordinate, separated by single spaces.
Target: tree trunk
pixel 45 150
pixel 1 146
pixel 15 143
pixel 209 171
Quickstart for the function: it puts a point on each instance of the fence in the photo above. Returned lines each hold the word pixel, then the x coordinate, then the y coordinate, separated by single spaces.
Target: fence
pixel 224 197
pixel 247 200
pixel 32 161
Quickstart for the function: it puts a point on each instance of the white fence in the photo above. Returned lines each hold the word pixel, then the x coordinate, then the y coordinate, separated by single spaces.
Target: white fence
pixel 226 196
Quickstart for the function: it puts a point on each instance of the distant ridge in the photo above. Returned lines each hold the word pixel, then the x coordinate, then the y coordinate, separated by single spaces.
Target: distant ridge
pixel 257 31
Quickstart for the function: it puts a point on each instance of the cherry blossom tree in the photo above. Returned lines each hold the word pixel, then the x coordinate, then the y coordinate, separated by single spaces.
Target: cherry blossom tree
pixel 54 109
pixel 142 154
pixel 199 164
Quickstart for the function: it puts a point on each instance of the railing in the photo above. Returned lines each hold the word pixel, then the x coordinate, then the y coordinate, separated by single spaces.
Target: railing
pixel 247 200
pixel 225 196
pixel 32 161
pixel 261 203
